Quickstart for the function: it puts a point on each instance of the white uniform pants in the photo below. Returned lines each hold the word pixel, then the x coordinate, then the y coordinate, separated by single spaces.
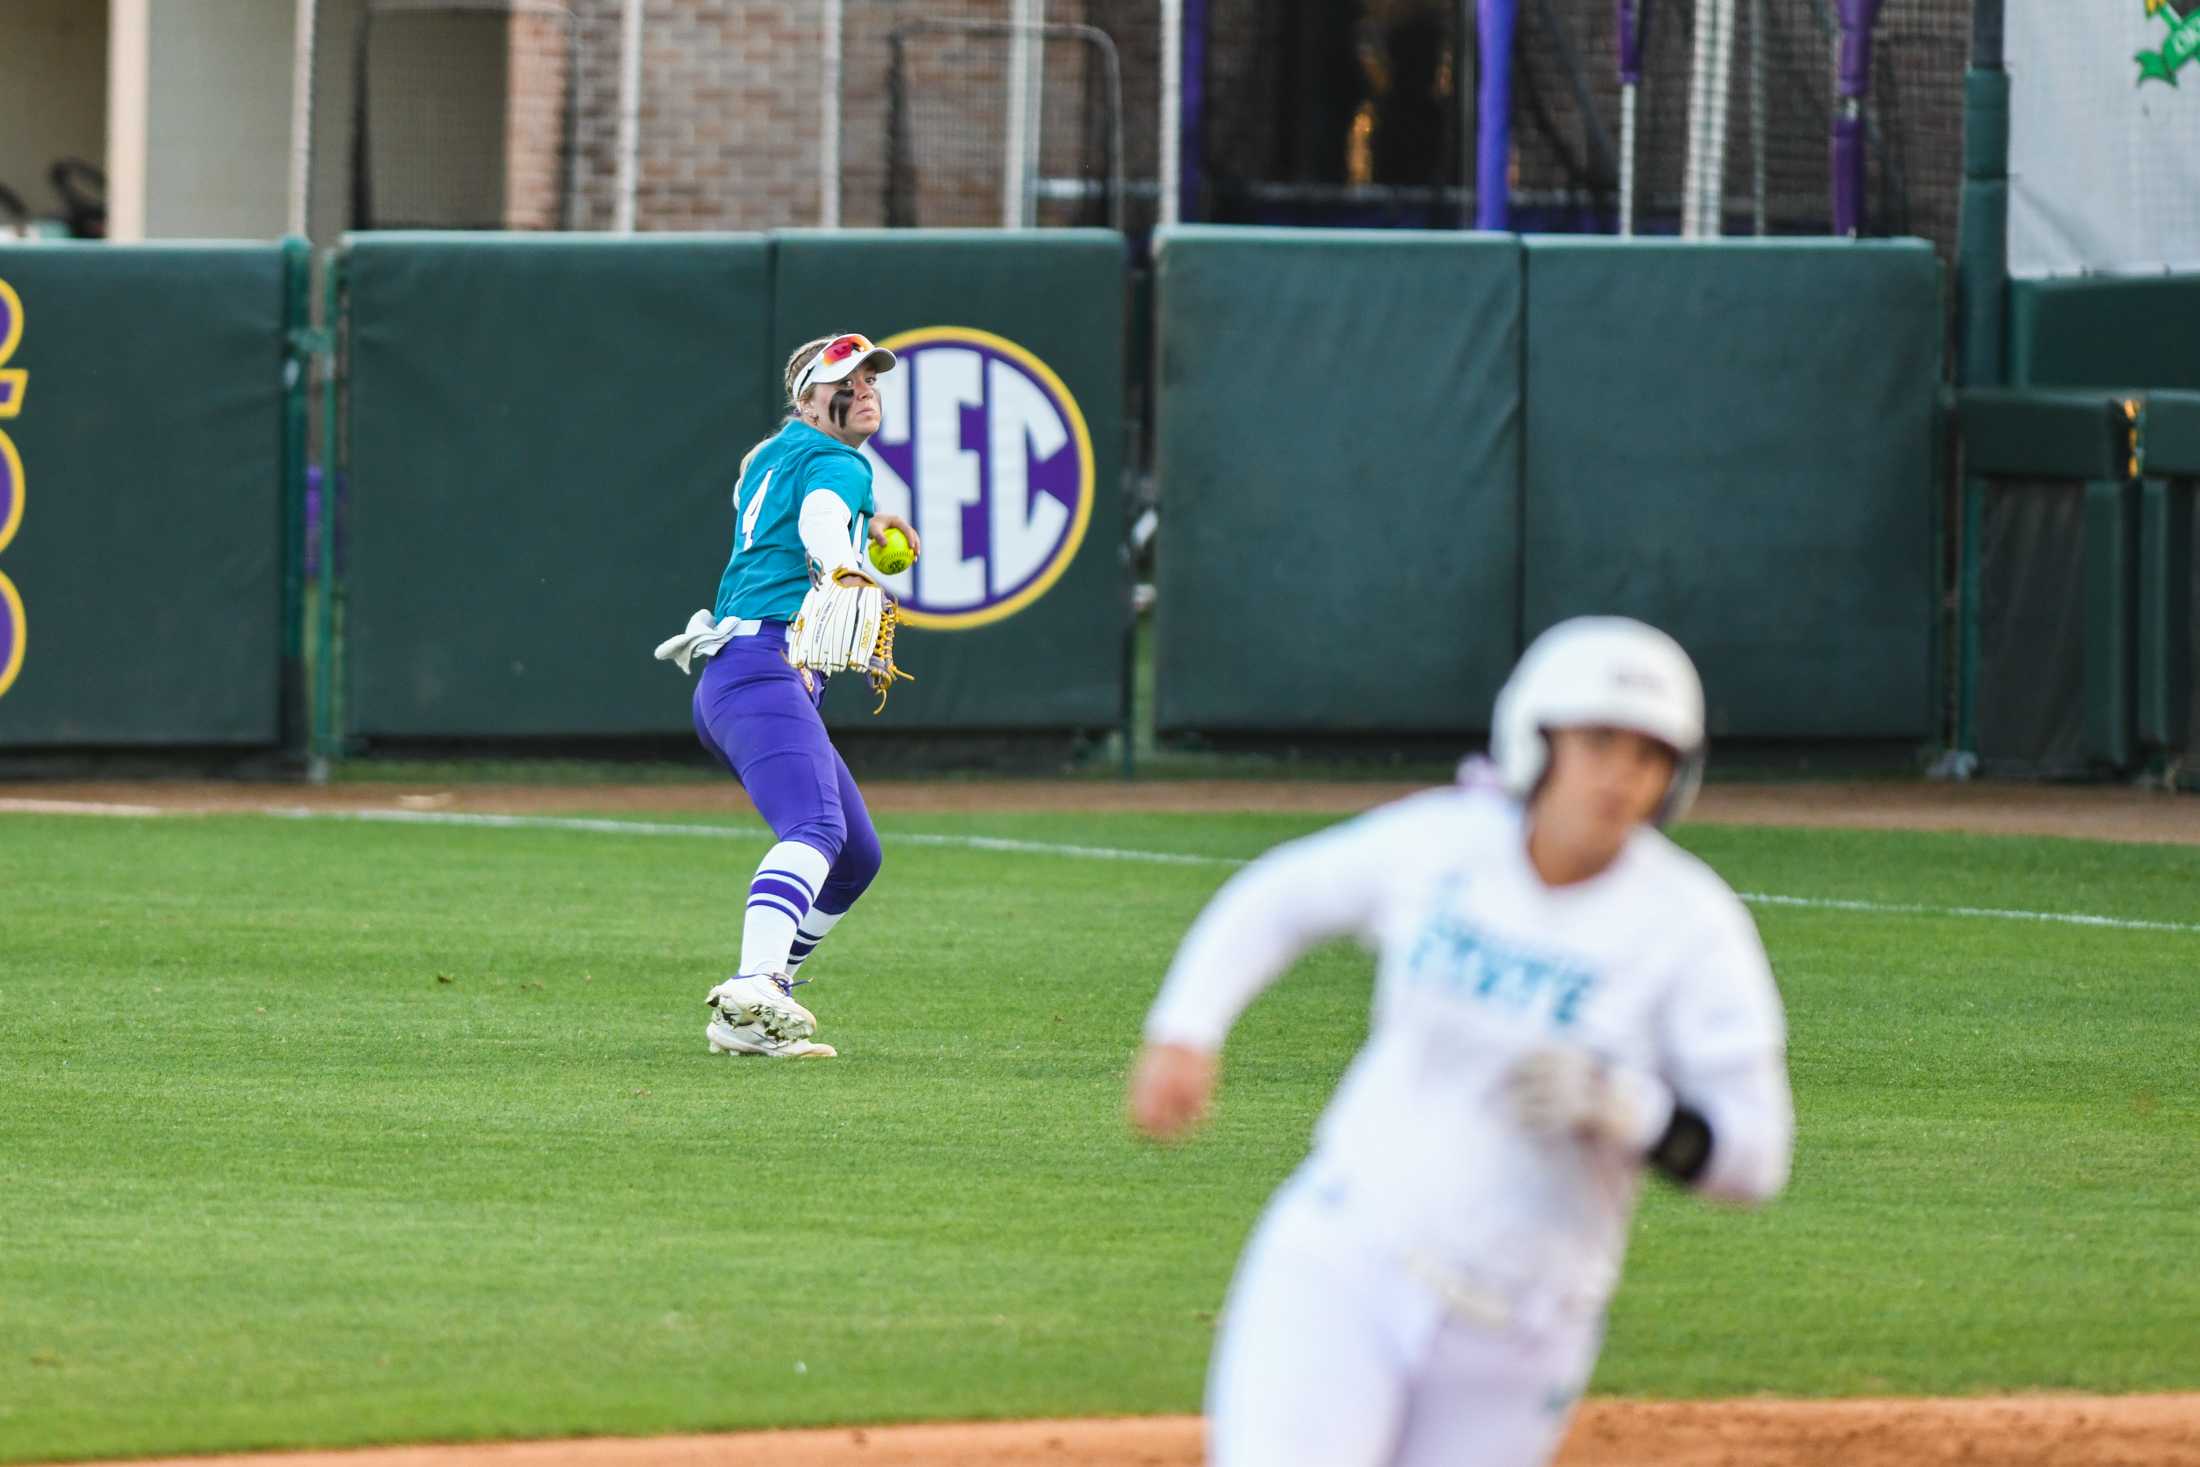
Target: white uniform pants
pixel 1334 1355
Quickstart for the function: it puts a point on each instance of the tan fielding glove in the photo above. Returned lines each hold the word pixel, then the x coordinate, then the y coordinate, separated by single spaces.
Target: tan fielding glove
pixel 847 624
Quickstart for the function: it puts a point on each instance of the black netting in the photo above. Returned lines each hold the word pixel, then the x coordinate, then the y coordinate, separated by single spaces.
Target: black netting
pixel 1363 112
pixel 948 125
pixel 1781 110
pixel 1920 51
pixel 1336 112
pixel 1566 118
pixel 462 115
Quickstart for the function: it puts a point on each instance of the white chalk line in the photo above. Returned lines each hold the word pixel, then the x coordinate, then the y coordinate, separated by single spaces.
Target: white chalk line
pixel 597 826
pixel 730 832
pixel 2004 914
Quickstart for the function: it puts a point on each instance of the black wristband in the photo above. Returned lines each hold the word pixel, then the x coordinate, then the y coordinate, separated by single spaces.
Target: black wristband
pixel 1684 1150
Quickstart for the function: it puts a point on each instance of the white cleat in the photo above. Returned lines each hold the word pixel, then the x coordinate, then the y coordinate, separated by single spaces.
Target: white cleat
pixel 727 1038
pixel 764 1002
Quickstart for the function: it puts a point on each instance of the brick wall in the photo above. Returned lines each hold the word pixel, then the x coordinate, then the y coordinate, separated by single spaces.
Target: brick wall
pixel 534 121
pixel 730 125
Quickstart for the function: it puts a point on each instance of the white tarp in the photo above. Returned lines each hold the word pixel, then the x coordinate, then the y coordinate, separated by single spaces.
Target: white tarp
pixel 2104 136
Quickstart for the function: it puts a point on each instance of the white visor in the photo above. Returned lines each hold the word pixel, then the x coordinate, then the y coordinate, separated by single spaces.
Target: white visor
pixel 848 352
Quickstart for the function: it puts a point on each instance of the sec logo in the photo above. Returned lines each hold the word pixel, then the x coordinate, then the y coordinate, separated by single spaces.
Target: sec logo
pixel 987 454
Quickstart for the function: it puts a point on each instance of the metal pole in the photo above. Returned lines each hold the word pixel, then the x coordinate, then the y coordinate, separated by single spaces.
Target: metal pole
pixel 1852 82
pixel 300 348
pixel 828 145
pixel 1016 153
pixel 1172 121
pixel 324 656
pixel 1722 91
pixel 1757 117
pixel 303 19
pixel 1703 190
pixel 1493 130
pixel 1631 31
pixel 1982 284
pixel 1112 70
pixel 630 115
pixel 1035 87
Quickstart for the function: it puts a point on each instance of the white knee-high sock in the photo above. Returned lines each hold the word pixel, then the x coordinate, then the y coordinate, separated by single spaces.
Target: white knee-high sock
pixel 779 898
pixel 809 935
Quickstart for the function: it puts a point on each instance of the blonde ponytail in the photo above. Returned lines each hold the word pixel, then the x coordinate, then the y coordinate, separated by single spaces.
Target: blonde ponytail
pixel 795 364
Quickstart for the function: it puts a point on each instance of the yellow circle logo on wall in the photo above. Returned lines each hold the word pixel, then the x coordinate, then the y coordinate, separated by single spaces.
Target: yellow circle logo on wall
pixel 987 454
pixel 14 383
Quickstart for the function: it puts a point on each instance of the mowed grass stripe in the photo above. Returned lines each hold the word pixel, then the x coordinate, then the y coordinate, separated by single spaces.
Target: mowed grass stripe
pixel 1013 846
pixel 319 1132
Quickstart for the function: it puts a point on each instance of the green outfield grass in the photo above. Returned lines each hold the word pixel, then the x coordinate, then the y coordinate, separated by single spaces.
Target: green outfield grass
pixel 317 1132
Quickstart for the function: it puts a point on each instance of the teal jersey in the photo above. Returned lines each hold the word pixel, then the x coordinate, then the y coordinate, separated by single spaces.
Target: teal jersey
pixel 769 572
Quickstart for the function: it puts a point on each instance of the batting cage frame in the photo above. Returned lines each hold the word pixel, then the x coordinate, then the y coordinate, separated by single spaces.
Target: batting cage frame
pixel 1024 185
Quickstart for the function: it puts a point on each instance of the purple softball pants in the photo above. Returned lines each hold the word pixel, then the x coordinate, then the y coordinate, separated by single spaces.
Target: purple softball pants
pixel 753 712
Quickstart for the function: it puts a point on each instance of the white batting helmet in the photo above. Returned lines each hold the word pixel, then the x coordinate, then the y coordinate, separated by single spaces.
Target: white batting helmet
pixel 1600 670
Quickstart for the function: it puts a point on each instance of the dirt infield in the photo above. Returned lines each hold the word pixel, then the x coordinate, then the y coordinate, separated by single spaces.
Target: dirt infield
pixel 2097 812
pixel 2008 1431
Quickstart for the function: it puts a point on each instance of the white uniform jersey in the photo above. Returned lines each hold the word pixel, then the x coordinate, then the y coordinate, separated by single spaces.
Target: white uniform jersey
pixel 1653 963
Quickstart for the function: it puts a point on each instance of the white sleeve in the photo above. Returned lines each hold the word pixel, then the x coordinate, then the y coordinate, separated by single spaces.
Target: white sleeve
pixel 1724 1043
pixel 1327 885
pixel 823 525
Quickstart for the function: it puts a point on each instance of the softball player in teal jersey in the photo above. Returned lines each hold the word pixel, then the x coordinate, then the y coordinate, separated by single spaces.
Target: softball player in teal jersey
pixel 801 507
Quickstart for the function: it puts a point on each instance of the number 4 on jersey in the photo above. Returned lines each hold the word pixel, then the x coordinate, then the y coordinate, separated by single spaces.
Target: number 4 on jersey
pixel 756 507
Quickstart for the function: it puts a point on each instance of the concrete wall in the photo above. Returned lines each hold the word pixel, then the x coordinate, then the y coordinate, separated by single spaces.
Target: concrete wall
pixel 53 92
pixel 217 130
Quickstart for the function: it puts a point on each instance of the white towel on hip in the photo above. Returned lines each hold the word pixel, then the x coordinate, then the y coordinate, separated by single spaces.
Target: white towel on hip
pixel 705 636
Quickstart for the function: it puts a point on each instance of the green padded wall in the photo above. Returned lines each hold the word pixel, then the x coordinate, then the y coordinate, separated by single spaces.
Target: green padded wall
pixel 2033 667
pixel 544 435
pixel 2163 650
pixel 1734 441
pixel 2105 333
pixel 1008 341
pixel 2025 434
pixel 1337 436
pixel 147 556
pixel 2169 626
pixel 2111 580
